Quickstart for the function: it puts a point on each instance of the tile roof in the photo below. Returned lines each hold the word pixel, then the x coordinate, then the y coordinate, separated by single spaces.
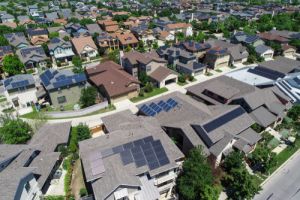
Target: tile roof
pixel 126 38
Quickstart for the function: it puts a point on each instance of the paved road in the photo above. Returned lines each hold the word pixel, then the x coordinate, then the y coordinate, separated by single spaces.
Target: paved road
pixel 285 184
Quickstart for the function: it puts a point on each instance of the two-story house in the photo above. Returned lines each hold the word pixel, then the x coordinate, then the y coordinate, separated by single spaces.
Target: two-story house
pixel 85 47
pixel 17 40
pixel 184 28
pixel 60 50
pixel 33 56
pixel 107 41
pixel 63 87
pixel 76 30
pixel 217 57
pixel 37 36
pixel 20 91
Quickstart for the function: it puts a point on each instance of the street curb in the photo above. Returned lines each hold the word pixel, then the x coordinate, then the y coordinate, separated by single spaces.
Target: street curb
pixel 281 166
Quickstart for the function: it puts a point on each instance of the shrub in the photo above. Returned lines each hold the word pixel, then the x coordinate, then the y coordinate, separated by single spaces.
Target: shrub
pixel 149 87
pixel 181 78
pixel 142 92
pixel 83 192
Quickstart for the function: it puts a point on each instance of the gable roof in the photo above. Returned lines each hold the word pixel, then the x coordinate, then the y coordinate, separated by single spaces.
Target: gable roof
pixel 81 42
pixel 161 73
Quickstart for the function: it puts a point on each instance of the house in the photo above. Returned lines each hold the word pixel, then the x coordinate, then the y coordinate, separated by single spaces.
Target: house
pixel 238 53
pixel 217 129
pixel 113 82
pixel 196 48
pixel 127 39
pixel 63 87
pixel 37 36
pixel 85 47
pixel 12 25
pixel 33 11
pixel 25 20
pixel 290 85
pixel 52 16
pixel 184 28
pixel 27 169
pixel 60 50
pixel 76 30
pixel 93 29
pixel 183 61
pixel 107 41
pixel 217 57
pixel 246 39
pixel 7 18
pixel 143 33
pixel 265 52
pixel 166 36
pixel 60 30
pixel 32 57
pixel 4 51
pixel 267 107
pixel 17 40
pixel 20 92
pixel 62 22
pixel 65 13
pixel 108 25
pixel 272 37
pixel 125 175
pixel 288 51
pixel 151 64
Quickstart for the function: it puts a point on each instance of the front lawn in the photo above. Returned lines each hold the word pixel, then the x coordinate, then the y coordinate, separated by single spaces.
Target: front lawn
pixel 155 91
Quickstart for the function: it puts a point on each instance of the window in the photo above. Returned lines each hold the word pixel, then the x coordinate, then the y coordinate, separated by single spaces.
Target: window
pixel 61 99
pixel 27 187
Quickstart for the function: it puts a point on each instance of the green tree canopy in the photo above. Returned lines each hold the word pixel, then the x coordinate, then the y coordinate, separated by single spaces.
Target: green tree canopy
pixel 241 185
pixel 3 41
pixel 114 55
pixel 83 132
pixel 77 68
pixel 294 112
pixel 88 97
pixel 12 65
pixel 233 160
pixel 15 131
pixel 262 157
pixel 197 179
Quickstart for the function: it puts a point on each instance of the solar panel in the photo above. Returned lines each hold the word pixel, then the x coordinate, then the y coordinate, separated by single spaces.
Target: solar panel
pixel 164 106
pixel 128 145
pixel 44 79
pixel 118 149
pixel 153 165
pixel 172 102
pixel 148 139
pixel 223 119
pixel 138 142
pixel 155 107
pixel 297 80
pixel 140 163
pixel 126 157
pixel 267 73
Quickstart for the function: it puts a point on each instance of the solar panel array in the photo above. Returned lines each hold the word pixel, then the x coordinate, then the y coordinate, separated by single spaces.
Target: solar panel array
pixel 19 84
pixel 154 108
pixel 220 121
pixel 267 73
pixel 142 152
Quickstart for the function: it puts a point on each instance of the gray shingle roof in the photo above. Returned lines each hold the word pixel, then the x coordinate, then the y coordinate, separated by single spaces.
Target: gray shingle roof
pixel 44 141
pixel 19 81
pixel 15 39
pixel 125 127
pixel 33 54
pixel 282 65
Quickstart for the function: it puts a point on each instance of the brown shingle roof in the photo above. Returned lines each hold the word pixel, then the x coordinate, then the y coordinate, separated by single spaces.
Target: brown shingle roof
pixel 127 38
pixel 81 42
pixel 113 78
pixel 178 25
pixel 161 73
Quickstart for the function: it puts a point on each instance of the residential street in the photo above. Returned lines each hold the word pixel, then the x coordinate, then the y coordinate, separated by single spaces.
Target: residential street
pixel 284 184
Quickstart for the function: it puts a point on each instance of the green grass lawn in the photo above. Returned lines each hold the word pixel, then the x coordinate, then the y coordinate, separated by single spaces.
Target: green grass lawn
pixel 218 70
pixel 208 74
pixel 41 115
pixel 285 155
pixel 156 91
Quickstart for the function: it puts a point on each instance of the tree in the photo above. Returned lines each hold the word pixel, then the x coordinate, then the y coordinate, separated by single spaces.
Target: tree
pixel 77 68
pixel 88 97
pixel 197 179
pixel 155 45
pixel 141 46
pixel 15 131
pixel 179 36
pixel 148 87
pixel 83 132
pixel 53 35
pixel 3 41
pixel 66 38
pixel 12 65
pixel 114 55
pixel 294 112
pixel 233 160
pixel 143 77
pixel 241 185
pixel 86 21
pixel 263 158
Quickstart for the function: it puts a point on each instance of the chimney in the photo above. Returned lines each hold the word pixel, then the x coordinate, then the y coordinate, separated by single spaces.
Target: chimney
pixel 121 56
